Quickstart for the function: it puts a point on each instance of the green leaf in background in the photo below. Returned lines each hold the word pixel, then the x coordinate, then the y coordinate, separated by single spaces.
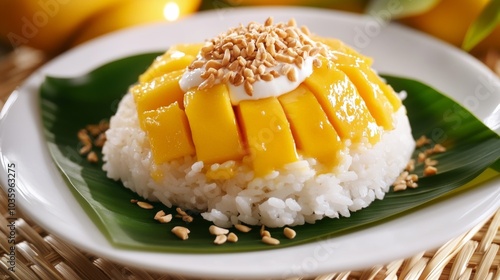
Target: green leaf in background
pixel 483 25
pixel 67 105
pixel 401 8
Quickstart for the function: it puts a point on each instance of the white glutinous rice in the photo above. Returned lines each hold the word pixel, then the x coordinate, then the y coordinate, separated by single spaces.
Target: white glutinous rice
pixel 295 195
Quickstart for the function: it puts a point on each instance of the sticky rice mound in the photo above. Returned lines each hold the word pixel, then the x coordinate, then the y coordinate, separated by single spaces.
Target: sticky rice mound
pixel 253 185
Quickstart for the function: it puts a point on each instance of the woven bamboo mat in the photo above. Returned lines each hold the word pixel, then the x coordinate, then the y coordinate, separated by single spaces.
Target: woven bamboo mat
pixel 41 255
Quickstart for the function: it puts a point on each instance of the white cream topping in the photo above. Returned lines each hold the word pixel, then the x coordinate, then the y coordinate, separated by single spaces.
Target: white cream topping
pixel 261 89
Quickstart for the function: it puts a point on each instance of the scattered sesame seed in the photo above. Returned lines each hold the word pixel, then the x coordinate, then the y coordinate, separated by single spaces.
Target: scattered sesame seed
pixel 289 233
pixel 430 170
pixel 232 237
pixel 144 205
pixel 270 240
pixel 181 232
pixel 242 228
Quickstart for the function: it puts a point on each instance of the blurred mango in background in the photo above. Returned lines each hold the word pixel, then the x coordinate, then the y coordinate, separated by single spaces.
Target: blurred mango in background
pixel 55 25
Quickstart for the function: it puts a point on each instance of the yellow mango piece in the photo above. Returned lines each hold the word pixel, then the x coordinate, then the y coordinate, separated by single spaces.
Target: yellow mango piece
pixel 342 103
pixel 222 172
pixel 176 58
pixel 268 134
pixel 161 91
pixel 314 135
pixel 213 124
pixel 189 49
pixel 375 99
pixel 387 89
pixel 344 54
pixel 168 131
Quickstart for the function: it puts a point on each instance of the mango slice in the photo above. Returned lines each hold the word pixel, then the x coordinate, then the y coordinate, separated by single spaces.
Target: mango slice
pixel 161 91
pixel 386 89
pixel 213 124
pixel 176 58
pixel 168 131
pixel 268 134
pixel 375 99
pixel 313 133
pixel 344 55
pixel 342 103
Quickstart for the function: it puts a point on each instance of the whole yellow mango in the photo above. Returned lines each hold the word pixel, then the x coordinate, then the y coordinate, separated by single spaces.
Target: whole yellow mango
pixel 135 12
pixel 46 24
pixel 450 19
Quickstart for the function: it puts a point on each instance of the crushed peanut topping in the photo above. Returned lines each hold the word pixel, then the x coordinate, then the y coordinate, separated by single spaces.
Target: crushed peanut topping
pixel 246 54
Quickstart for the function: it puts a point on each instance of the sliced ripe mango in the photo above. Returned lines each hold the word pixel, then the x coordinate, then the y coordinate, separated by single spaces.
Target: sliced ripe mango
pixel 268 134
pixel 375 99
pixel 176 58
pixel 168 131
pixel 342 103
pixel 344 54
pixel 313 133
pixel 161 91
pixel 387 89
pixel 189 49
pixel 213 124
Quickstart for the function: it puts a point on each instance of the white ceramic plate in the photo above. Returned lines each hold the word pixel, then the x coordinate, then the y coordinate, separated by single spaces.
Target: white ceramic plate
pixel 45 197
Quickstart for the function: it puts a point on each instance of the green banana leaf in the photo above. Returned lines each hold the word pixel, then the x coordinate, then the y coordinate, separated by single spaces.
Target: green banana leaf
pixel 67 105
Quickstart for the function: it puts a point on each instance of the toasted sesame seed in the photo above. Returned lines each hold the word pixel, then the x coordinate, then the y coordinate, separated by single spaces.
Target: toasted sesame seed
pixel 165 219
pixel 144 205
pixel 214 64
pixel 421 157
pixel 305 30
pixel 400 187
pixel 84 137
pixel 227 57
pixel 159 214
pixel 220 239
pixel 242 228
pixel 196 64
pixel 411 184
pixel 317 62
pixel 438 148
pixel 410 166
pixel 412 177
pixel 232 237
pixel 265 233
pixel 270 240
pixel 238 79
pixel 180 211
pixel 248 88
pixel 85 149
pixel 291 75
pixel 215 230
pixel 430 170
pixel 267 77
pixel 181 232
pixel 100 140
pixel 422 141
pixel 93 129
pixel 268 22
pixel 92 157
pixel 430 162
pixel 289 233
pixel 187 218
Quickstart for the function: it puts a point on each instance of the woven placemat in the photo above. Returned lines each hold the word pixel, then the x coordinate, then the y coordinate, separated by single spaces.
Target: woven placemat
pixel 41 255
